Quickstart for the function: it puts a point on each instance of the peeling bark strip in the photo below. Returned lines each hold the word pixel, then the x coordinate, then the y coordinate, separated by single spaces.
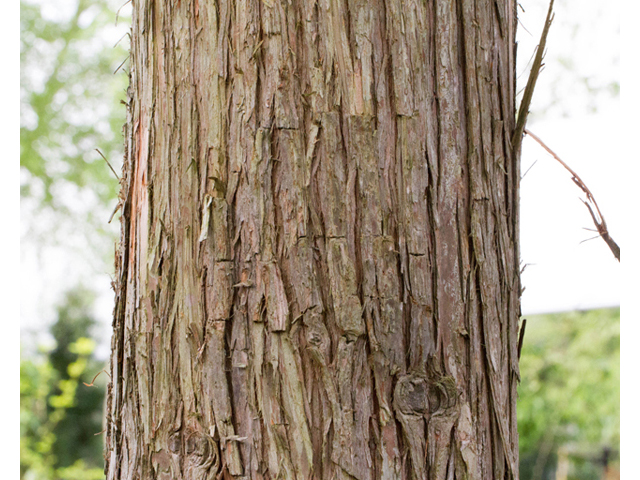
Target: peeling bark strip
pixel 317 276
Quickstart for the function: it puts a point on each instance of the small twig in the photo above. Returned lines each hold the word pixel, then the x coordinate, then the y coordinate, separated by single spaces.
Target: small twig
pixel 94 379
pixel 525 173
pixel 602 229
pixel 120 66
pixel 105 159
pixel 524 268
pixel 522 25
pixel 592 238
pixel 598 220
pixel 126 34
pixel 118 12
pixel 115 210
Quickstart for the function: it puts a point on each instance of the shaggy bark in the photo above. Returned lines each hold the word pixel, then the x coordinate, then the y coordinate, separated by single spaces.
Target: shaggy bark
pixel 318 272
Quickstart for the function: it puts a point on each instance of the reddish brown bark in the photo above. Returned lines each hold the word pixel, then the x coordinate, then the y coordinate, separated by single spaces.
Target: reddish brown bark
pixel 318 270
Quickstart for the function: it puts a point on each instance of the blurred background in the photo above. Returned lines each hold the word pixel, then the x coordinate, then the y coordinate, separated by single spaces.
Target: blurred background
pixel 73 77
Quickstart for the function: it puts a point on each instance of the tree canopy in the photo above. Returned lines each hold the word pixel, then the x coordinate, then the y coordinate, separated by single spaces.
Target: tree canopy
pixel 570 390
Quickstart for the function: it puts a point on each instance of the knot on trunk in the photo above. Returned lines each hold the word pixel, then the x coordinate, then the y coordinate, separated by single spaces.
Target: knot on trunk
pixel 201 449
pixel 414 394
pixel 443 394
pixel 175 442
pixel 410 395
pixel 317 336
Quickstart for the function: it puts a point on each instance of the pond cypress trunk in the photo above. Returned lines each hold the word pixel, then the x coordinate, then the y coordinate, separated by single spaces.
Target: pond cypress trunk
pixel 318 270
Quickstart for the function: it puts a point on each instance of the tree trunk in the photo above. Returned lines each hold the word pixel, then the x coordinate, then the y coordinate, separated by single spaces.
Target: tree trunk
pixel 318 273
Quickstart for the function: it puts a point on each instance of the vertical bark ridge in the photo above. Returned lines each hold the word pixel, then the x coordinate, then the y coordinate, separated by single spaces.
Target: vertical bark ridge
pixel 318 270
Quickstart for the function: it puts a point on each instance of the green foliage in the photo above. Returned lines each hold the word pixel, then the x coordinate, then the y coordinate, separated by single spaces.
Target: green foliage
pixel 36 437
pixel 70 106
pixel 569 395
pixel 68 101
pixel 45 418
pixel 74 322
pixel 59 415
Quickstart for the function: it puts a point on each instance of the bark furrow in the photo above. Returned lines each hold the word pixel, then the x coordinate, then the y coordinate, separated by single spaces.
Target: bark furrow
pixel 318 271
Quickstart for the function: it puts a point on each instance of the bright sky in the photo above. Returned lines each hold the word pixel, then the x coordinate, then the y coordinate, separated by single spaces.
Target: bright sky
pixel 565 269
pixel 562 273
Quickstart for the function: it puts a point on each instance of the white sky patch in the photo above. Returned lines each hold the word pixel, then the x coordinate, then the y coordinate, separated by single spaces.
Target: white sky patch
pixel 566 270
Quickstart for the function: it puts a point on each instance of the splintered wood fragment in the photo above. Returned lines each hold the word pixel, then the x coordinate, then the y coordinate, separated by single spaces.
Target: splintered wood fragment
pixel 206 212
pixel 521 337
pixel 598 220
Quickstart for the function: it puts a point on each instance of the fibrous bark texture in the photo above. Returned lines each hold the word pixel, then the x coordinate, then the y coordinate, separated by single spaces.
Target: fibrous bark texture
pixel 318 273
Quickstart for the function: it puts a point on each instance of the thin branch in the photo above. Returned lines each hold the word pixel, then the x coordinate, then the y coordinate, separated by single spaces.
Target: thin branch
pixel 94 379
pixel 105 159
pixel 125 35
pixel 118 12
pixel 523 110
pixel 120 66
pixel 598 220
pixel 525 173
pixel 592 238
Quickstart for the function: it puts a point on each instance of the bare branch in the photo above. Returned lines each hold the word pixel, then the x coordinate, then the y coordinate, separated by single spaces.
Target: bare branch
pixel 598 220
